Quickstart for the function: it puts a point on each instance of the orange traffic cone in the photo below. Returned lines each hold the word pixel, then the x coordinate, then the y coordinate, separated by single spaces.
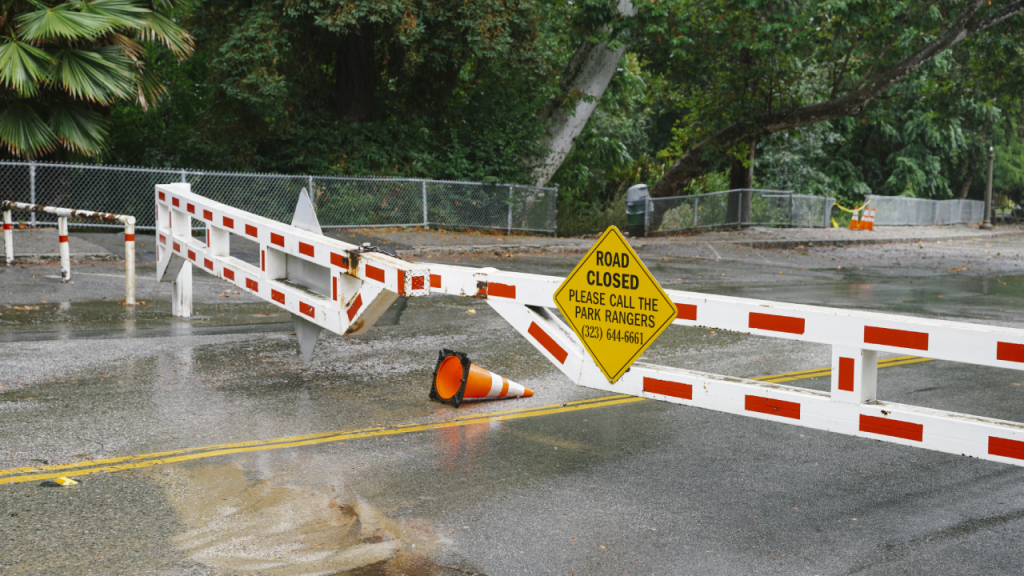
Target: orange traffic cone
pixel 854 221
pixel 869 222
pixel 457 379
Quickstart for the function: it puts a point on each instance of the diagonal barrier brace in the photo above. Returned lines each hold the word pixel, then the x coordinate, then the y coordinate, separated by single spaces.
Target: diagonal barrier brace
pixel 851 407
pixel 324 283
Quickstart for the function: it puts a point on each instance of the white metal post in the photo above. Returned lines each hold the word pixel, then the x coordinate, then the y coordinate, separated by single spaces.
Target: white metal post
pixel 8 238
pixel 426 222
pixel 65 256
pixel 32 189
pixel 854 375
pixel 181 287
pixel 510 193
pixel 129 264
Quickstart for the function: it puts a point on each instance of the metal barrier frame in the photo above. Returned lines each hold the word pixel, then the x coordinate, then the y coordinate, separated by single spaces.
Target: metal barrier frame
pixel 62 231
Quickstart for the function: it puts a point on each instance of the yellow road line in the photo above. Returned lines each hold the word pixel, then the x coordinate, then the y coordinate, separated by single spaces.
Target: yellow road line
pixel 91 463
pixel 621 399
pixel 49 472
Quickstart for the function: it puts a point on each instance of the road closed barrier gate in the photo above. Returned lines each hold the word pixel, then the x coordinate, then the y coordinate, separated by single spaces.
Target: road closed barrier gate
pixel 527 302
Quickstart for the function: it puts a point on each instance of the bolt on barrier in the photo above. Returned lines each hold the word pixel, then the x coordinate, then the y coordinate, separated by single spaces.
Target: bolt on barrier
pixel 62 215
pixel 346 288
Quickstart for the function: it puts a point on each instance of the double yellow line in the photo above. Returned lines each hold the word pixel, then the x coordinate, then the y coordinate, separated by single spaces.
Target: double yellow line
pixel 38 473
pixel 827 371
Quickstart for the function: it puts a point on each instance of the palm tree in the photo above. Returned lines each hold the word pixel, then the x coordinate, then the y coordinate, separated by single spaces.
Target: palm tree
pixel 63 65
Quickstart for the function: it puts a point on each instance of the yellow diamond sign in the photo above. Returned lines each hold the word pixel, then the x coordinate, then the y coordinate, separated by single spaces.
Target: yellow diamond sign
pixel 614 304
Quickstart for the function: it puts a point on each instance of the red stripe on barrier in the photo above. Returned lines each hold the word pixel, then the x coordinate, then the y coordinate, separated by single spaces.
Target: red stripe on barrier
pixel 772 407
pixel 1006 447
pixel 354 308
pixel 174 202
pixel 177 248
pixel 191 255
pixel 307 309
pixel 435 280
pixel 846 366
pixel 163 239
pixel 417 282
pixel 263 260
pixel 8 226
pixel 776 323
pixel 252 231
pixel 667 388
pixel 548 343
pixel 129 237
pixel 252 285
pixel 191 209
pixel 228 222
pixel 375 273
pixel 501 290
pixel 208 263
pixel 401 282
pixel 686 311
pixel 62 239
pixel 207 237
pixel 306 249
pixel 1010 352
pixel 334 288
pixel 277 296
pixel 896 338
pixel 339 261
pixel 161 194
pixel 277 239
pixel 207 215
pixel 229 274
pixel 895 428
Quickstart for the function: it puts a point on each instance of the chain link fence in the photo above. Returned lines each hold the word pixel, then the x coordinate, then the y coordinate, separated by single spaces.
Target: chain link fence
pixel 767 208
pixel 902 211
pixel 340 202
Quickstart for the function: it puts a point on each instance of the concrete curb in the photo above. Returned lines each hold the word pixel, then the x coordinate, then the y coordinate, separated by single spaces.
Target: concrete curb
pixel 577 246
pixel 55 258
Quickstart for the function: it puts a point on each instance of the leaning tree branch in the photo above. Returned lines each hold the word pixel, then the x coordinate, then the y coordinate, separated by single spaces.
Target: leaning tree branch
pixel 695 160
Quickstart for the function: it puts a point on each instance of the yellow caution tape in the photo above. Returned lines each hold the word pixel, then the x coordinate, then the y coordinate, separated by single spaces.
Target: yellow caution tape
pixel 834 223
pixel 855 208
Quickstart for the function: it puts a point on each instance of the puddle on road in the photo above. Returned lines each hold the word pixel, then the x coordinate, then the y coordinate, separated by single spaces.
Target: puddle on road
pixel 238 525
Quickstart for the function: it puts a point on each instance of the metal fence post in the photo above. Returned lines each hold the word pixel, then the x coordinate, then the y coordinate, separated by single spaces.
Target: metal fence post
pixel 426 222
pixel 696 206
pixel 32 189
pixel 184 178
pixel 554 220
pixel 509 209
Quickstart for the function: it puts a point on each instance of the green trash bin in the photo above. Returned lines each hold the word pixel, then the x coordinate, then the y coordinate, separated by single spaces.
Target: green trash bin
pixel 636 210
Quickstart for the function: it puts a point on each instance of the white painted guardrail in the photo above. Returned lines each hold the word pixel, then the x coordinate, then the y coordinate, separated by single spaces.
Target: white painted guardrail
pixel 62 231
pixel 526 301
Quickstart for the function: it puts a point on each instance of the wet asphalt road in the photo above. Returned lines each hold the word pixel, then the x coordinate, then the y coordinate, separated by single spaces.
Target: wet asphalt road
pixel 637 488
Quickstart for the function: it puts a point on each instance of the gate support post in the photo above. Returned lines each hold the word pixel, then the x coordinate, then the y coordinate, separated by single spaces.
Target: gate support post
pixel 854 375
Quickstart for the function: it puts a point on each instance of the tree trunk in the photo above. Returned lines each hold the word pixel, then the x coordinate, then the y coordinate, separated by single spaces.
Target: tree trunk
pixel 692 163
pixel 355 76
pixel 741 179
pixel 966 186
pixel 588 74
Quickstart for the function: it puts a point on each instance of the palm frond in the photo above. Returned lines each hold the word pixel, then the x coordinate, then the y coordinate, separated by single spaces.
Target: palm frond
pixel 78 128
pixel 23 132
pixel 149 85
pixel 120 12
pixel 22 66
pixel 62 22
pixel 162 29
pixel 131 48
pixel 101 75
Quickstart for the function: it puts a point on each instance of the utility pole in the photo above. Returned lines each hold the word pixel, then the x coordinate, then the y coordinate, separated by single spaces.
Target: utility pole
pixel 987 225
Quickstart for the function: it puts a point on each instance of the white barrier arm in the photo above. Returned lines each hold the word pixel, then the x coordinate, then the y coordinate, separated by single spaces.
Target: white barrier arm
pixel 322 281
pixel 8 238
pixel 526 301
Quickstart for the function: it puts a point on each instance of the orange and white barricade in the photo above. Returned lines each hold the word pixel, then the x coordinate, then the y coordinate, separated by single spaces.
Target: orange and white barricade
pixel 324 283
pixel 526 302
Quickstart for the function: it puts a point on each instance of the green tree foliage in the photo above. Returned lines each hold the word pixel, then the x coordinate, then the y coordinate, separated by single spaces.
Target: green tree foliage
pixel 63 65
pixel 425 88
